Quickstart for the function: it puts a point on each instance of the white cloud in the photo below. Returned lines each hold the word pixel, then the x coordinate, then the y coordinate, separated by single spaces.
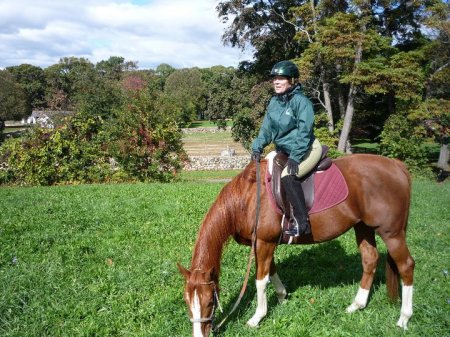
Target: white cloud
pixel 178 32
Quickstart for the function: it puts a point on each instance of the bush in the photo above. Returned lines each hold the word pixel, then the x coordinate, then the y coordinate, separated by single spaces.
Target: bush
pixel 139 144
pixel 146 142
pixel 68 154
pixel 244 128
pixel 400 140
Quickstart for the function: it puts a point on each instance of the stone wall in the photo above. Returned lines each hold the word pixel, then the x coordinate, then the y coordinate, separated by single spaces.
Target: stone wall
pixel 213 129
pixel 217 163
pixel 226 161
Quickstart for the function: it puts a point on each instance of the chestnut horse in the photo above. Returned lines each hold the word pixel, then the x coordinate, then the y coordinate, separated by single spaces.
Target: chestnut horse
pixel 377 202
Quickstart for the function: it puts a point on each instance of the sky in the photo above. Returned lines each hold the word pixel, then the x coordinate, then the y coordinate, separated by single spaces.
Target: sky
pixel 181 33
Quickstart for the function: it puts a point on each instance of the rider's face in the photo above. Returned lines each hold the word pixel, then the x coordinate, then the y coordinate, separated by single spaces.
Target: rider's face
pixel 281 84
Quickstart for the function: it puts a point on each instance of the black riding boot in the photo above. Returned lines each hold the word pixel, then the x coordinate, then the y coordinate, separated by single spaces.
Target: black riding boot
pixel 294 193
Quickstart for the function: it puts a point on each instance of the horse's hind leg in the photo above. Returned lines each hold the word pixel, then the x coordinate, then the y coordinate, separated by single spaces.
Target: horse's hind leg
pixel 399 252
pixel 365 238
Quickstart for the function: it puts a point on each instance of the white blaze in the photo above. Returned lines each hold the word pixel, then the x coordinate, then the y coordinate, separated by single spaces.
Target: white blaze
pixel 196 315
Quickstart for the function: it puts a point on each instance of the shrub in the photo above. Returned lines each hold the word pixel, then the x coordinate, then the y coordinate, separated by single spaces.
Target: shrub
pixel 68 154
pixel 400 140
pixel 146 141
pixel 244 128
pixel 139 144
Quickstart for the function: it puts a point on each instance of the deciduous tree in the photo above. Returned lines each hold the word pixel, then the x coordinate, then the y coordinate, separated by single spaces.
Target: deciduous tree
pixel 13 100
pixel 185 87
pixel 32 79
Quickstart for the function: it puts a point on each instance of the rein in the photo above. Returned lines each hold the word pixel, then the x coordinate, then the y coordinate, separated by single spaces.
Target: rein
pixel 252 252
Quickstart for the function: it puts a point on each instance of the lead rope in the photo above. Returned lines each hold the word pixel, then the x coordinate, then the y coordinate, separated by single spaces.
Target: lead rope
pixel 252 251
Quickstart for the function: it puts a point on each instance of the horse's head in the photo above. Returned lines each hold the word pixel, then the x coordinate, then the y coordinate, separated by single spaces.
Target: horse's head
pixel 201 296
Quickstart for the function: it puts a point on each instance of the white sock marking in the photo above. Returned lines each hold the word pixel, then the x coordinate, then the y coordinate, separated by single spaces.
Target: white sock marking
pixel 279 287
pixel 407 309
pixel 360 300
pixel 261 308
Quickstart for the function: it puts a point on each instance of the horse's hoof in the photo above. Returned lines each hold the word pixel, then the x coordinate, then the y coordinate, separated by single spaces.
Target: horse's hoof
pixel 282 298
pixel 353 307
pixel 253 323
pixel 403 322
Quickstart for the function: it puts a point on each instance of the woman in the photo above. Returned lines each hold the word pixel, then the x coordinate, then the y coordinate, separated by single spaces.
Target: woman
pixel 289 123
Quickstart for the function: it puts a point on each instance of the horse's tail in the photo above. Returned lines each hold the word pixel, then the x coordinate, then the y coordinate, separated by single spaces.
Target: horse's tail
pixel 392 278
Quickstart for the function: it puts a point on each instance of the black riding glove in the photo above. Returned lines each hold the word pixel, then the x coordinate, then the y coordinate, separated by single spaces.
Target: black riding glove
pixel 256 156
pixel 292 167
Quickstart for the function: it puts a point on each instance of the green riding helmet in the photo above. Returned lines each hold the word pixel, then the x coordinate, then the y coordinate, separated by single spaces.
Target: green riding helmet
pixel 285 68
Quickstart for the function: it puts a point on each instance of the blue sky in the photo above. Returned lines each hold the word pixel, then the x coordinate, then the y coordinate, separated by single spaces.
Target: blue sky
pixel 178 32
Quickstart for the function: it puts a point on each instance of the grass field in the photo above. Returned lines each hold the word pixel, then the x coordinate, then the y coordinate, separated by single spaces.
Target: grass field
pixel 100 260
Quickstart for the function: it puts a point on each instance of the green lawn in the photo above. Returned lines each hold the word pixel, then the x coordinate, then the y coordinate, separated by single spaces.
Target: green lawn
pixel 100 260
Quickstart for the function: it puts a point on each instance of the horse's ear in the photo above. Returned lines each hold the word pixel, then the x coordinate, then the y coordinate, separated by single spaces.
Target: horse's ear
pixel 185 272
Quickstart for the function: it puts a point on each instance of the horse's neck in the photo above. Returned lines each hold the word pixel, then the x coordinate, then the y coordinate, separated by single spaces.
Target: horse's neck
pixel 214 233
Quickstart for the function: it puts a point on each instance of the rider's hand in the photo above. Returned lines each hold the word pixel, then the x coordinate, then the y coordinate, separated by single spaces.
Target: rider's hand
pixel 292 167
pixel 256 156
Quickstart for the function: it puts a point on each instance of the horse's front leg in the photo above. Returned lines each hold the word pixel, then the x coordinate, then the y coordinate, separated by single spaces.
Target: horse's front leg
pixel 277 284
pixel 264 258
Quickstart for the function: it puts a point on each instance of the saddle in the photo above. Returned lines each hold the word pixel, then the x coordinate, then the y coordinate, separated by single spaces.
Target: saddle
pixel 279 163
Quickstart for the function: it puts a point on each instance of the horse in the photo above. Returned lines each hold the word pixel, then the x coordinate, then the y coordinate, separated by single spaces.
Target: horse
pixel 379 193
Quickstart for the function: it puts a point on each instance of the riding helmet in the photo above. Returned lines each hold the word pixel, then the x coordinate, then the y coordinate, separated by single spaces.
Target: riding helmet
pixel 285 68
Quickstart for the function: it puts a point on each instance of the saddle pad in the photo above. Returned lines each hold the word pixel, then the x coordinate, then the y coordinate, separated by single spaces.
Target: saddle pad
pixel 330 189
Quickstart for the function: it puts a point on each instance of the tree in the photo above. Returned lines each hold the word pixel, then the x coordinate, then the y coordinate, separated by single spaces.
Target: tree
pixel 186 88
pixel 432 116
pixel 160 75
pixel 265 26
pixel 226 93
pixel 65 80
pixel 434 111
pixel 98 97
pixel 32 79
pixel 13 100
pixel 247 120
pixel 115 67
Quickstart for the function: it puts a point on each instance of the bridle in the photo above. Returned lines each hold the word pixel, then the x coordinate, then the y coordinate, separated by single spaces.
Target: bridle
pixel 216 303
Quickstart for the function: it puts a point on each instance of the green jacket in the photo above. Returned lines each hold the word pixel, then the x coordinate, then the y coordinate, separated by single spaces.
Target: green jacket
pixel 288 123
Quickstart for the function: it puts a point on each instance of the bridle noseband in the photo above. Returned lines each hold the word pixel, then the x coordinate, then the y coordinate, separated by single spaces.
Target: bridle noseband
pixel 216 303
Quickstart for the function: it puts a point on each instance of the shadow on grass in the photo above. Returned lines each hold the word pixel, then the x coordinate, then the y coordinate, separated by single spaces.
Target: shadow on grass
pixel 325 265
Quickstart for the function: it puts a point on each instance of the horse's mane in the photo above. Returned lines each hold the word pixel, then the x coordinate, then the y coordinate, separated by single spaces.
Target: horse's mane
pixel 219 223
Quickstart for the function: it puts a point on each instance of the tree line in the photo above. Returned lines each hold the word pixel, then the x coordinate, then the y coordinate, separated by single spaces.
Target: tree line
pixel 125 122
pixel 375 70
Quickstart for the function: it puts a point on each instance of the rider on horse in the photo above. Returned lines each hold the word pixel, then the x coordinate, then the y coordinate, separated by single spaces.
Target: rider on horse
pixel 289 123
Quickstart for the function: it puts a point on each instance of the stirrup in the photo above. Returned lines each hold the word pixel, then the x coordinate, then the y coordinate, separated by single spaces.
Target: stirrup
pixel 294 230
